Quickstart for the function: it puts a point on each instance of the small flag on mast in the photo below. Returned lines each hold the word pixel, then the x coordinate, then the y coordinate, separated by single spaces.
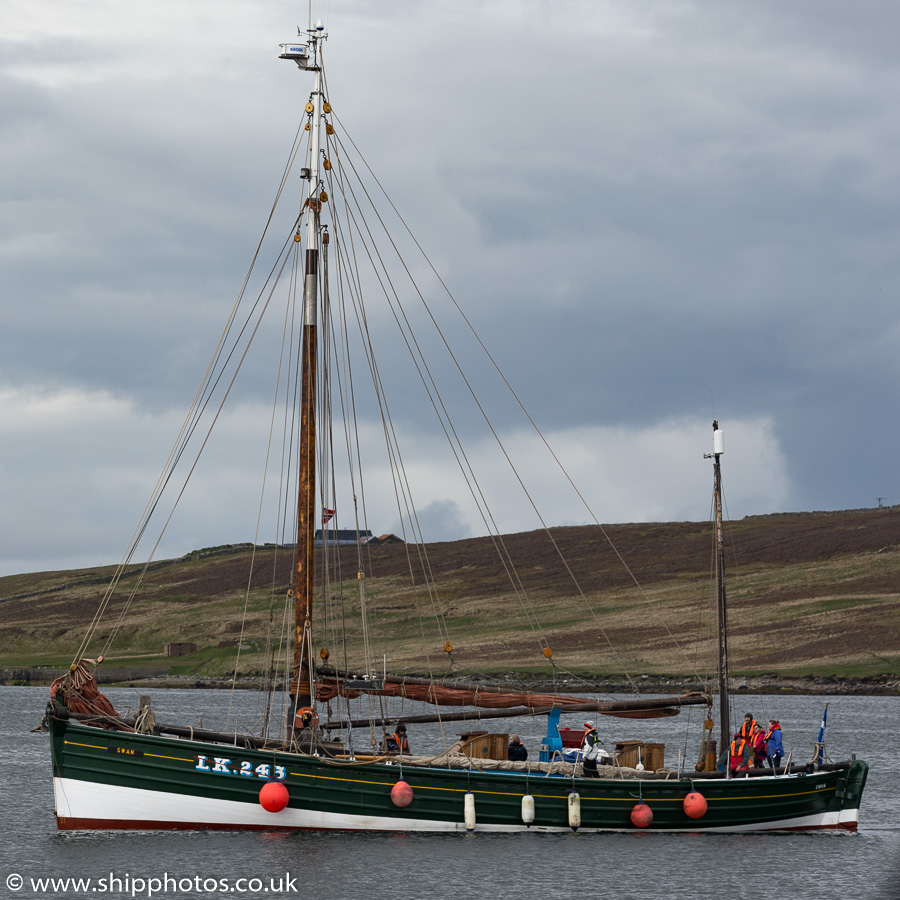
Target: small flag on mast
pixel 820 743
pixel 327 516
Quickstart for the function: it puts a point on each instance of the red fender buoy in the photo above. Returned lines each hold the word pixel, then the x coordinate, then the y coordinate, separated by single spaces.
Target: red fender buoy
pixel 273 796
pixel 695 805
pixel 641 815
pixel 401 794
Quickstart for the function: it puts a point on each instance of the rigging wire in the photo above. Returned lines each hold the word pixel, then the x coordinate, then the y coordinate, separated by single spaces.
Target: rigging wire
pixel 440 409
pixel 193 466
pixel 759 695
pixel 455 442
pixel 533 424
pixel 198 404
pixel 293 280
pixel 354 226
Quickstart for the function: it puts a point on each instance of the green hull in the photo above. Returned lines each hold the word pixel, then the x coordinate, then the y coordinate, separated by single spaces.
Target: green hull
pixel 112 779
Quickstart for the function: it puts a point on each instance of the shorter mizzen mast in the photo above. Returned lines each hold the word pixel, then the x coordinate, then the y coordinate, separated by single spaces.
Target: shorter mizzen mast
pixel 721 608
pixel 302 690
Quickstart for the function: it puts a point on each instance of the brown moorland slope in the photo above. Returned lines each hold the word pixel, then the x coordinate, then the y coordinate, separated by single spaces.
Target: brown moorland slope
pixel 808 593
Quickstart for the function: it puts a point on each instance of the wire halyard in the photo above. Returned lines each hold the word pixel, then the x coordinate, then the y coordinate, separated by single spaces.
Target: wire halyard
pixel 353 232
pixel 356 226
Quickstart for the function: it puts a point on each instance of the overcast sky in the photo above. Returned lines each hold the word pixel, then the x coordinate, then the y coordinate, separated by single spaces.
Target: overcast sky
pixel 656 213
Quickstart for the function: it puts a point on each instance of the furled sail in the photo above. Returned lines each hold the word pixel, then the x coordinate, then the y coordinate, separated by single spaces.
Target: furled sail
pixel 456 694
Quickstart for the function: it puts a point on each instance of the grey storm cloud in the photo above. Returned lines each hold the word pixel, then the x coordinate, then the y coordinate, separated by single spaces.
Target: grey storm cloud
pixel 653 213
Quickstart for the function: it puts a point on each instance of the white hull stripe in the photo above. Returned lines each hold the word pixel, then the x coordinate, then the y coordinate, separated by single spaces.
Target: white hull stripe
pixel 106 805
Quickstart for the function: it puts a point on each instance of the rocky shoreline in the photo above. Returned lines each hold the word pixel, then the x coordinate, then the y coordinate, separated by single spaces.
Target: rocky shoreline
pixel 874 685
pixel 871 685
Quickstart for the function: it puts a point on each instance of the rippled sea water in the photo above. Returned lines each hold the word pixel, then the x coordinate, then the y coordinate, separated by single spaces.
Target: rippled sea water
pixel 399 866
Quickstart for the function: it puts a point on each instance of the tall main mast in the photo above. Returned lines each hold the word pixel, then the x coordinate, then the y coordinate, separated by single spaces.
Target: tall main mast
pixel 302 691
pixel 721 608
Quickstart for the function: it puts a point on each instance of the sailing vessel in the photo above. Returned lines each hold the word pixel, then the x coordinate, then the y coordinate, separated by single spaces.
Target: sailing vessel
pixel 300 770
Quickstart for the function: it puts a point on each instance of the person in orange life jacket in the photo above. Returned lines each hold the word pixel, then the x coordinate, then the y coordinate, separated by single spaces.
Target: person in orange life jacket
pixel 774 746
pixel 747 728
pixel 397 742
pixel 590 750
pixel 517 750
pixel 758 745
pixel 739 754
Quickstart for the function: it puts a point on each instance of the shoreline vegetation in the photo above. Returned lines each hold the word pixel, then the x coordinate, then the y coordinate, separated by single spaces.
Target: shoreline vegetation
pixel 876 685
pixel 814 607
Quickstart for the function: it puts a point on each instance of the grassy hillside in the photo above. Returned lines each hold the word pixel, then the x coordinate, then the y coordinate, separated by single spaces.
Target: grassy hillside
pixel 815 593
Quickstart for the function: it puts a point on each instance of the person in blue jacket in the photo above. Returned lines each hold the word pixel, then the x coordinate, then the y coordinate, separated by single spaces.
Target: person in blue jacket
pixel 774 746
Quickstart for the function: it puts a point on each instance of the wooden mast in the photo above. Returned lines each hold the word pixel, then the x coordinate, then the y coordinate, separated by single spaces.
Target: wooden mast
pixel 301 684
pixel 721 607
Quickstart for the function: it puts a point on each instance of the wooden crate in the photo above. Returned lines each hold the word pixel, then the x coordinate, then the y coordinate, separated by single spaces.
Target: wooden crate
pixel 654 756
pixel 630 753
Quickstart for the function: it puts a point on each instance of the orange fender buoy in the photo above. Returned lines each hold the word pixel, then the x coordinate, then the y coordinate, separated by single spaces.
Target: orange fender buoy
pixel 273 796
pixel 401 794
pixel 641 815
pixel 695 805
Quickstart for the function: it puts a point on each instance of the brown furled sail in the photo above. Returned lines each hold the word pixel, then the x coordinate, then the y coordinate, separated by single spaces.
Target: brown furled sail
pixel 332 685
pixel 78 691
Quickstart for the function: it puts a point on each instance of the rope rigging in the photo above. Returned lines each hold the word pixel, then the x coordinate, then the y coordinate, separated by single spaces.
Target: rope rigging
pixel 354 264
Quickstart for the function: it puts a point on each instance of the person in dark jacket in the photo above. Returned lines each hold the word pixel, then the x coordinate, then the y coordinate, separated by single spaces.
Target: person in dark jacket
pixel 397 742
pixel 517 750
pixel 747 728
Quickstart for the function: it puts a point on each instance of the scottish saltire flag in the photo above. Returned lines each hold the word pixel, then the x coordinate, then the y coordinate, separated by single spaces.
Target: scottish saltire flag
pixel 820 752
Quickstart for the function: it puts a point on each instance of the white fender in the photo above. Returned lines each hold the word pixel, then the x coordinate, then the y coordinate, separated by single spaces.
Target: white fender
pixel 527 809
pixel 574 811
pixel 469 806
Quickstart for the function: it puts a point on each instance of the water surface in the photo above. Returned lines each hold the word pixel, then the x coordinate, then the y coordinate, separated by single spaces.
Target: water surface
pixel 399 866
